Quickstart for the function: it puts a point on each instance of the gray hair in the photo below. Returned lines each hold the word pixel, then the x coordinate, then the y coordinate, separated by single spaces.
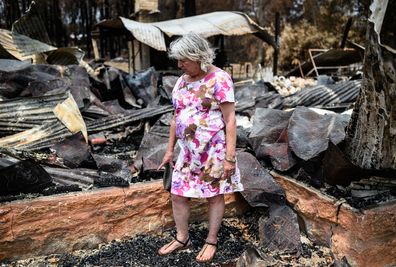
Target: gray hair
pixel 193 47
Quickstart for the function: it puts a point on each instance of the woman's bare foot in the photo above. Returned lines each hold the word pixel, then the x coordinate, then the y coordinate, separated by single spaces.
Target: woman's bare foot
pixel 207 252
pixel 174 245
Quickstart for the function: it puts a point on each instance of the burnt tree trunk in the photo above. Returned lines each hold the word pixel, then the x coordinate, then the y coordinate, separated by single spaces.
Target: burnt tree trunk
pixel 371 134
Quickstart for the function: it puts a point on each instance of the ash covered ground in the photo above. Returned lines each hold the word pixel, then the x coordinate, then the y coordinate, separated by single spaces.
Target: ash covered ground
pixel 236 236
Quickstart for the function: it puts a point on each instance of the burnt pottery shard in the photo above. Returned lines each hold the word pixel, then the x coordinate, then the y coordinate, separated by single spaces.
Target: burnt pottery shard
pixel 242 137
pixel 251 91
pixel 110 85
pixel 309 132
pixel 23 177
pixel 268 125
pixel 114 107
pixel 74 151
pixel 153 146
pixel 12 65
pixel 246 97
pixel 59 189
pixel 253 257
pixel 116 167
pixel 14 83
pixel 39 80
pixel 40 88
pixel 311 172
pixel 279 152
pixel 269 137
pixel 166 82
pixel 280 231
pixel 271 100
pixel 338 169
pixel 107 179
pixel 260 188
pixel 280 155
pixel 143 85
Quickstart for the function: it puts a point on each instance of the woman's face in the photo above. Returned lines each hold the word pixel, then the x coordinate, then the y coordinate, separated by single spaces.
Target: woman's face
pixel 191 68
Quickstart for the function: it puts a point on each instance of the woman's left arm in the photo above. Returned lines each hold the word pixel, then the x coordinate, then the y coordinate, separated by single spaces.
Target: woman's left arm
pixel 228 111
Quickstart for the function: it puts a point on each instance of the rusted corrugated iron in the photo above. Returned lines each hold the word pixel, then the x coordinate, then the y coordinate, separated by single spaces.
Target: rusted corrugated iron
pixel 49 124
pixel 21 46
pixel 325 95
pixel 31 25
pixel 113 121
pixel 215 23
pixel 146 33
pixel 66 56
pixel 20 114
pixel 84 178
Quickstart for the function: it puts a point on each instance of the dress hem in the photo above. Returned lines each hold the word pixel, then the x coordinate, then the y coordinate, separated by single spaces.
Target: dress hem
pixel 200 197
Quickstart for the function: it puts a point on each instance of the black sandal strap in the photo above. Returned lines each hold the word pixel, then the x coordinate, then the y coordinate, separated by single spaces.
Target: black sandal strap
pixel 183 243
pixel 212 244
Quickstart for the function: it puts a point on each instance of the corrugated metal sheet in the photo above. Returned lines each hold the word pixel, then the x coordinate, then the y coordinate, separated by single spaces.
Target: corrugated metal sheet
pixel 150 5
pixel 31 25
pixel 113 121
pixel 325 95
pixel 225 23
pixel 40 124
pixel 146 33
pixel 21 46
pixel 66 56
pixel 215 23
pixel 379 9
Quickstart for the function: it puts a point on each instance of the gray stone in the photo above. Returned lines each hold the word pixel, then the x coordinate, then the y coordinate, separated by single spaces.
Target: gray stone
pixel 280 231
pixel 261 190
pixel 309 132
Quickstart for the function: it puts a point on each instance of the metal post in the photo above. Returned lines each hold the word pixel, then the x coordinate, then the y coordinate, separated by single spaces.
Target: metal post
pixel 346 31
pixel 189 8
pixel 276 50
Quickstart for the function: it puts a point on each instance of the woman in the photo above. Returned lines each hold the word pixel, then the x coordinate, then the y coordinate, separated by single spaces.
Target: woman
pixel 204 126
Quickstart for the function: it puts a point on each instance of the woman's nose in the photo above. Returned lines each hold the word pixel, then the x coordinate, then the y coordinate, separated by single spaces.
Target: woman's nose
pixel 179 64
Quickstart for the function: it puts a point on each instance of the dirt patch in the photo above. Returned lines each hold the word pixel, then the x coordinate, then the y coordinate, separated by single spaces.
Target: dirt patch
pixel 236 235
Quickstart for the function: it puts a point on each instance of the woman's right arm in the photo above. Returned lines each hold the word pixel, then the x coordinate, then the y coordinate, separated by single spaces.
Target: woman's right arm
pixel 168 157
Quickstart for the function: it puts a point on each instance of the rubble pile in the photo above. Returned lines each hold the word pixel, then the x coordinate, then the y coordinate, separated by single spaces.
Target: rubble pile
pixel 291 85
pixel 237 235
pixel 68 125
pixel 59 117
pixel 66 129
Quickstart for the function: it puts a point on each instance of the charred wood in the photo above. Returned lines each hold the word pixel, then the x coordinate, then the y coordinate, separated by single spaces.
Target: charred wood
pixel 122 120
pixel 371 134
pixel 39 157
pixel 23 177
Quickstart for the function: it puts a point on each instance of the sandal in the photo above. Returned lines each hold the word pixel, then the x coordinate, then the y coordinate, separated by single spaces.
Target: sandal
pixel 185 245
pixel 207 244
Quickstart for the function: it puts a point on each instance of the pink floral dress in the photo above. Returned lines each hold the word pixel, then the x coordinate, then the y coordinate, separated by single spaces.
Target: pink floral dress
pixel 200 132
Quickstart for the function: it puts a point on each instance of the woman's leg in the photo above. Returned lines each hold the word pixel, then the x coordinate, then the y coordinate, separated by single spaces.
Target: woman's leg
pixel 181 213
pixel 216 212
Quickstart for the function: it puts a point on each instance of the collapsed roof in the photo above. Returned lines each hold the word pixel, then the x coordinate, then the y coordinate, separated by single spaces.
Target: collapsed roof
pixel 215 23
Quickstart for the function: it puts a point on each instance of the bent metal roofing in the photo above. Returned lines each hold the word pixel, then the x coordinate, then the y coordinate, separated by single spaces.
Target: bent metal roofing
pixel 215 23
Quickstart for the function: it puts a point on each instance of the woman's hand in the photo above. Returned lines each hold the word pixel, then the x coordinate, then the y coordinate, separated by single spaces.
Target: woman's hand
pixel 168 158
pixel 229 169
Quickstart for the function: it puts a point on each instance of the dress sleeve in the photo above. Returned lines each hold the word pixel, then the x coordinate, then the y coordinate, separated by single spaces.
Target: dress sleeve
pixel 224 88
pixel 175 88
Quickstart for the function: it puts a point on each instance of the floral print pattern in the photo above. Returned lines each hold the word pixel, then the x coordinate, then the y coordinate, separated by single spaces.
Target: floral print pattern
pixel 200 132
